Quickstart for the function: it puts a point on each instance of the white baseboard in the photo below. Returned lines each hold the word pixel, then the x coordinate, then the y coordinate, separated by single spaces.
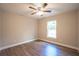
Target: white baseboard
pixel 62 44
pixel 9 46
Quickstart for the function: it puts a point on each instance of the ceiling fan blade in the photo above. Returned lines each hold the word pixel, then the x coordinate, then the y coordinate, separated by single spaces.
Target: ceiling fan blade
pixel 47 11
pixel 44 5
pixel 32 8
pixel 33 13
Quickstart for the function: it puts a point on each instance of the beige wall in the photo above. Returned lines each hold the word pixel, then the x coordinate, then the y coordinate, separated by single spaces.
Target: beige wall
pixel 0 30
pixel 78 28
pixel 17 29
pixel 66 28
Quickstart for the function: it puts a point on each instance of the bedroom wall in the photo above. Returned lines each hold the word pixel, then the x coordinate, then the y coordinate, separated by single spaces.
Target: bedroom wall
pixel 0 29
pixel 78 28
pixel 66 28
pixel 17 29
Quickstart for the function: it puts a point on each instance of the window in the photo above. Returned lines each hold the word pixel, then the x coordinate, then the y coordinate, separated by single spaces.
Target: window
pixel 51 29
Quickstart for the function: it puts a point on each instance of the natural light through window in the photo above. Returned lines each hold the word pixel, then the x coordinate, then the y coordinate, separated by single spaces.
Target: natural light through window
pixel 51 29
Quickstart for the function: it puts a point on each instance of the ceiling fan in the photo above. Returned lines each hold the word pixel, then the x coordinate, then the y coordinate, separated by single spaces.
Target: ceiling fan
pixel 40 10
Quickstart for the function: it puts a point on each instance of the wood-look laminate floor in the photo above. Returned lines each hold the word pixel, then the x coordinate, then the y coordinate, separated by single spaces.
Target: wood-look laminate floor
pixel 39 48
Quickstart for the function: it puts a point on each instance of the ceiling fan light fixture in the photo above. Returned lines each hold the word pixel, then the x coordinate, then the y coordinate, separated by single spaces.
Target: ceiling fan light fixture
pixel 40 13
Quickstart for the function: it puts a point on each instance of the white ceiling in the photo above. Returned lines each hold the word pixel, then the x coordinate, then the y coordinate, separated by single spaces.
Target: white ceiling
pixel 23 9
